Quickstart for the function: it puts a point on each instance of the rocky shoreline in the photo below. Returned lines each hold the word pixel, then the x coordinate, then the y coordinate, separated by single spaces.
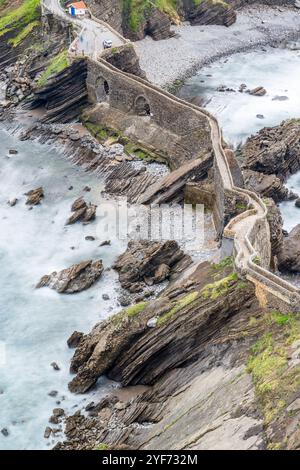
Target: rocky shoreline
pixel 194 47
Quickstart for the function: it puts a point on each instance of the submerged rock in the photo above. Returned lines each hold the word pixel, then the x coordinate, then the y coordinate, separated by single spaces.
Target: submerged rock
pixel 74 279
pixel 12 202
pixel 47 432
pixel 258 91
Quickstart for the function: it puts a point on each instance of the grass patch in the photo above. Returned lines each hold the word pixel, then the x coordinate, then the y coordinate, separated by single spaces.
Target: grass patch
pixel 102 446
pixel 134 11
pixel 22 16
pixel 57 64
pixel 224 263
pixel 276 380
pixel 129 312
pixel 183 302
pixel 213 291
pixel 23 33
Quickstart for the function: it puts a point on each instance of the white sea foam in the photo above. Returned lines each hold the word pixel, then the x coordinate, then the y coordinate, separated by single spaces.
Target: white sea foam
pixel 35 324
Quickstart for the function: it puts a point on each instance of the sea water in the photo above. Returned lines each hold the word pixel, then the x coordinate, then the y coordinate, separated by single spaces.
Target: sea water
pixel 241 114
pixel 35 323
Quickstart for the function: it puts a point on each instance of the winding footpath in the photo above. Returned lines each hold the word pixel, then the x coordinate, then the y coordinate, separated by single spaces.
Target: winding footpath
pixel 242 228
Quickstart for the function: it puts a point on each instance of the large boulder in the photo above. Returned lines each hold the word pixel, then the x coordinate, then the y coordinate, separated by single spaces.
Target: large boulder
pixel 124 58
pixel 74 279
pixel 149 262
pixel 289 255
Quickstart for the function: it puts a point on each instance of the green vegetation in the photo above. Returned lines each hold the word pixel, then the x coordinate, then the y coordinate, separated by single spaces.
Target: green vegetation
pixel 140 152
pixel 129 312
pixel 22 19
pixel 213 291
pixel 135 11
pixel 23 33
pixel 99 132
pixel 257 260
pixel 183 302
pixel 57 64
pixel 224 263
pixel 240 206
pixel 213 3
pixel 275 379
pixel 102 446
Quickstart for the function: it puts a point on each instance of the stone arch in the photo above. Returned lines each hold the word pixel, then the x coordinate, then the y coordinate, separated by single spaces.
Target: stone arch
pixel 142 106
pixel 102 89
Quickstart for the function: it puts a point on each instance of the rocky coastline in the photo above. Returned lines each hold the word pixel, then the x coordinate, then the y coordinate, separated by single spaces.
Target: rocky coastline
pixel 194 47
pixel 188 331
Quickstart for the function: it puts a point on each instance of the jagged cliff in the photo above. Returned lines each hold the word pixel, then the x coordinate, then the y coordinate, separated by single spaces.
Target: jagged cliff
pixel 136 19
pixel 205 368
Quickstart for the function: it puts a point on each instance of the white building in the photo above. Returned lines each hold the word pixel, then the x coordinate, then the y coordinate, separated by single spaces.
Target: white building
pixel 77 9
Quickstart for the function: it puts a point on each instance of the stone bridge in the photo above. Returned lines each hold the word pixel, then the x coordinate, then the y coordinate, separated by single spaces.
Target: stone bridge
pixel 182 132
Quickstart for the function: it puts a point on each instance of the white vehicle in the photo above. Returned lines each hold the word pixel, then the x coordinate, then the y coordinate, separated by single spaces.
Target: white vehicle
pixel 107 43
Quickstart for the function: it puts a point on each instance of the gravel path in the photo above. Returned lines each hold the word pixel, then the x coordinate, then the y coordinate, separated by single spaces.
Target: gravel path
pixel 179 57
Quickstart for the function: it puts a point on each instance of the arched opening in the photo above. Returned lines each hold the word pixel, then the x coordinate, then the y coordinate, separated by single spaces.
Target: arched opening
pixel 106 87
pixel 142 107
pixel 102 89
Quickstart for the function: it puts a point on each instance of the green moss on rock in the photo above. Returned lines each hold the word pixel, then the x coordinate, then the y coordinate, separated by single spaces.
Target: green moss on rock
pixel 129 312
pixel 182 303
pixel 214 290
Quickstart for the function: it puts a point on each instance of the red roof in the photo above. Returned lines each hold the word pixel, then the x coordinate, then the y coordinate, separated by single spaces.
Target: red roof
pixel 78 5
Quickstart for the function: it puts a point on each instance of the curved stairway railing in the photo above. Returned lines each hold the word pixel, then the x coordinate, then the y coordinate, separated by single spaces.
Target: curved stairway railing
pixel 253 218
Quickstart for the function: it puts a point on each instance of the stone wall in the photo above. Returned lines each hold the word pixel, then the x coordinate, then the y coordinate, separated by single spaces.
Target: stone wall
pixel 131 105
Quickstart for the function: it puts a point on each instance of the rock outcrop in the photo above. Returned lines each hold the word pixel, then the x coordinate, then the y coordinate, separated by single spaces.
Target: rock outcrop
pixel 124 58
pixel 289 255
pixel 171 187
pixel 74 279
pixel 208 12
pixel 34 196
pixel 64 95
pixel 274 150
pixel 267 185
pixel 82 212
pixel 190 374
pixel 148 262
pixel 98 352
pixel 276 226
pixel 22 63
pixel 154 19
